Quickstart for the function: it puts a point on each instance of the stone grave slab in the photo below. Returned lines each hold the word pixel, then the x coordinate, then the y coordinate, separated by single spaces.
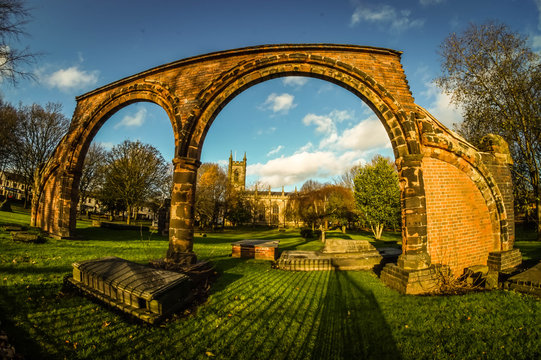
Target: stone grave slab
pixel 338 254
pixel 528 281
pixel 255 249
pixel 141 291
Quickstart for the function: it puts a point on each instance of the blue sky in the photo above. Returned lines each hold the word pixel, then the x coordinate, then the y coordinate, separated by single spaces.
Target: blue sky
pixel 292 129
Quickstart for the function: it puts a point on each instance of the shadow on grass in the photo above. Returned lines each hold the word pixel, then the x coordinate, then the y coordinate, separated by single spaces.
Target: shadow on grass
pixel 12 310
pixel 102 234
pixel 352 325
pixel 35 270
pixel 21 340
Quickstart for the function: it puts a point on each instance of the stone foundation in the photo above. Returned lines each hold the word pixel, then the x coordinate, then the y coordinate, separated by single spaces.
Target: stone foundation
pixel 528 281
pixel 338 254
pixel 414 282
pixel 504 260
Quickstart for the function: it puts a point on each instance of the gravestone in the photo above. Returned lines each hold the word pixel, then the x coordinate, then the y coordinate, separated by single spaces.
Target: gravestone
pixel 254 249
pixel 528 281
pixel 142 291
pixel 338 254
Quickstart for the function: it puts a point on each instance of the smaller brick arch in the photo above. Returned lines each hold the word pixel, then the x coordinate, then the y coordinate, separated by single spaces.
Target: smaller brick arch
pixel 69 156
pixel 454 150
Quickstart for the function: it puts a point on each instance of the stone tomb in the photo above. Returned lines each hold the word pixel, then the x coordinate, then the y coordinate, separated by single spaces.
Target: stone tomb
pixel 144 292
pixel 338 254
pixel 528 281
pixel 254 249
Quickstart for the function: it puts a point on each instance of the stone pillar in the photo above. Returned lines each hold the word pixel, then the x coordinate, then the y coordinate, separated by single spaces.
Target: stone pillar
pixel 66 217
pixel 414 229
pixel 498 160
pixel 182 212
pixel 413 273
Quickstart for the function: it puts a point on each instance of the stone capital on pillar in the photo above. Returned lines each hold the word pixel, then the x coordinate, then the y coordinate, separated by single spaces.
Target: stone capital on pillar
pixel 186 163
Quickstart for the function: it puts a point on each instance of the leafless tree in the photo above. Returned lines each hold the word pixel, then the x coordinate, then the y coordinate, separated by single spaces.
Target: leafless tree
pixel 41 129
pixel 496 78
pixel 210 193
pixel 91 176
pixel 133 173
pixel 13 17
pixel 9 131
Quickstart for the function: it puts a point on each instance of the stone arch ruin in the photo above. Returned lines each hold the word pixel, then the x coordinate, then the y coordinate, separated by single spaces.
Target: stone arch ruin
pixel 457 203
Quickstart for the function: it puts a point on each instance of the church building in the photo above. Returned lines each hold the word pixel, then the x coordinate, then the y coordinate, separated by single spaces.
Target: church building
pixel 269 207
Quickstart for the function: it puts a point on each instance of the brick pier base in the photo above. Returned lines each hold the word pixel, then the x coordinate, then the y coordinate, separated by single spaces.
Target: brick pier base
pixel 414 282
pixel 504 260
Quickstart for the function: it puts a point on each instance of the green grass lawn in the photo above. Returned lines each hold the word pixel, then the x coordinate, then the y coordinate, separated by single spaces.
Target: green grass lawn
pixel 253 311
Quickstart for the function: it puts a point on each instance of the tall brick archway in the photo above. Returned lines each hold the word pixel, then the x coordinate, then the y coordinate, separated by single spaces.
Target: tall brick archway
pixel 60 176
pixel 193 91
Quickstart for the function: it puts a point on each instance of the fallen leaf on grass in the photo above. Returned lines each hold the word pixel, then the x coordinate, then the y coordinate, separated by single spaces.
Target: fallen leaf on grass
pixel 209 354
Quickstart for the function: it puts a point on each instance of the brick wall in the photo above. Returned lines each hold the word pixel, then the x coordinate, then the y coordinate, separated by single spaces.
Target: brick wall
pixel 458 220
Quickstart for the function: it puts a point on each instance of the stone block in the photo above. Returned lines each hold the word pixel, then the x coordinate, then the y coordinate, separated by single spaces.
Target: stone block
pixel 338 254
pixel 254 249
pixel 504 260
pixel 528 281
pixel 414 282
pixel 147 293
pixel 26 237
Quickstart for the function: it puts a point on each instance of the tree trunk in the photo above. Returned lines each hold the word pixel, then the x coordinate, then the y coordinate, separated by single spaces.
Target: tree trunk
pixel 538 213
pixel 377 230
pixel 128 217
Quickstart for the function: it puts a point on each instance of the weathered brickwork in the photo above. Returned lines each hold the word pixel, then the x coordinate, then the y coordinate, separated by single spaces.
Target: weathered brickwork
pixel 193 91
pixel 458 223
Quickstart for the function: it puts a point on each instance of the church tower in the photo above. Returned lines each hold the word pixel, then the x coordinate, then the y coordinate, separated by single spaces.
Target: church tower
pixel 236 173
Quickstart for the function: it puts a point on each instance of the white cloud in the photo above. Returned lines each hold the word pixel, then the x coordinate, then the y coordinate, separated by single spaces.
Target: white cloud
pixel 441 107
pixel 385 15
pixel 301 166
pixel 71 78
pixel 276 150
pixel 6 68
pixel 324 123
pixel 306 147
pixel 295 81
pixel 279 103
pixel 367 135
pixel 133 121
pixel 430 2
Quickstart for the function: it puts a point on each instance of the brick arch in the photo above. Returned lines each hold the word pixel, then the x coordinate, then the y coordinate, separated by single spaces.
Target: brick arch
pixel 400 128
pixel 192 91
pixel 154 93
pixel 67 161
pixel 231 83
